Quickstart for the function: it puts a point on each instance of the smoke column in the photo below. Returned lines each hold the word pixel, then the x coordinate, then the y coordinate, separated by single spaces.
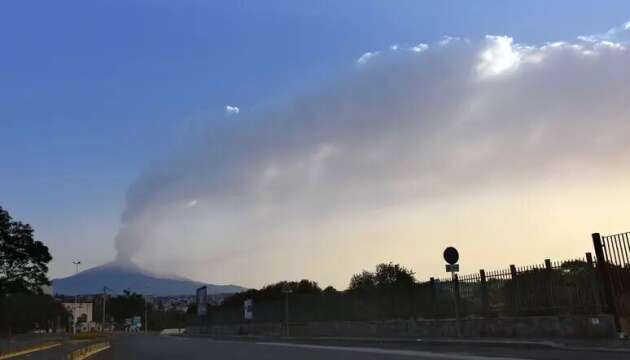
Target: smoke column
pixel 405 125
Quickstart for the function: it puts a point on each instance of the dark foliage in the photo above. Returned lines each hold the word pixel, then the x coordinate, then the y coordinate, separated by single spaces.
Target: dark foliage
pixel 25 312
pixel 23 260
pixel 126 306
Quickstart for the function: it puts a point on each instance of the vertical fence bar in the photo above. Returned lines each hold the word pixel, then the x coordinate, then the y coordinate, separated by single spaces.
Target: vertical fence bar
pixel 604 276
pixel 457 304
pixel 627 246
pixel 622 243
pixel 594 284
pixel 433 297
pixel 515 293
pixel 550 284
pixel 485 303
pixel 615 241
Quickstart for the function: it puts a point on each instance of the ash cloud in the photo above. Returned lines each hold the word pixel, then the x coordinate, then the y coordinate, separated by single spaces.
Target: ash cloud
pixel 409 124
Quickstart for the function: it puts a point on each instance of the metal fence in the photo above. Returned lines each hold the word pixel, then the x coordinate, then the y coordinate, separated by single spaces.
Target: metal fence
pixel 550 288
pixel 613 252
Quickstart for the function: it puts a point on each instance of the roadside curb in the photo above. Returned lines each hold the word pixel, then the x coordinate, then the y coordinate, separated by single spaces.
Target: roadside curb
pixel 85 352
pixel 541 344
pixel 28 350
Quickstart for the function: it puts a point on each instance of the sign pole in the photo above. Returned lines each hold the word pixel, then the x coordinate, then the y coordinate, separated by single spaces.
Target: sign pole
pixel 458 320
pixel 451 256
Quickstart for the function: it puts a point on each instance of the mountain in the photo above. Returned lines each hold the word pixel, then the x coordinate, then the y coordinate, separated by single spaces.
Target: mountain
pixel 121 276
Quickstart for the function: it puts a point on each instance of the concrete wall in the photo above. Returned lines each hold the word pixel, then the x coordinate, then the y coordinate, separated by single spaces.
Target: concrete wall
pixel 601 326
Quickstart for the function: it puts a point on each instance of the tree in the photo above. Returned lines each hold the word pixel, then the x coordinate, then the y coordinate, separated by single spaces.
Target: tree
pixel 125 306
pixel 385 293
pixel 388 276
pixel 307 287
pixel 24 312
pixel 393 276
pixel 23 260
pixel 362 282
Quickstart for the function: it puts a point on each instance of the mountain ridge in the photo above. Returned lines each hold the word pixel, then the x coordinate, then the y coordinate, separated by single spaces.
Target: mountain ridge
pixel 118 276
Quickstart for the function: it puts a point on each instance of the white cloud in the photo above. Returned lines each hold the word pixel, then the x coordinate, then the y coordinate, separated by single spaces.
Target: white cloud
pixel 232 110
pixel 610 45
pixel 498 56
pixel 619 33
pixel 363 59
pixel 419 48
pixel 446 40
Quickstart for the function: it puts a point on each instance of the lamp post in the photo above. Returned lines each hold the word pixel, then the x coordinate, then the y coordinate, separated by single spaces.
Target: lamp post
pixel 74 311
pixel 286 289
pixel 105 288
pixel 146 319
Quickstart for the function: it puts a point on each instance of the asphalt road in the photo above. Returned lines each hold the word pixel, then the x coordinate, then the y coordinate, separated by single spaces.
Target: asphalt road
pixel 164 347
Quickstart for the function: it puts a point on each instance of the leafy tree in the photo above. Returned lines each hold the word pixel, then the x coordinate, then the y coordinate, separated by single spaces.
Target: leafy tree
pixel 386 293
pixel 125 306
pixel 388 276
pixel 25 312
pixel 274 291
pixel 363 282
pixel 23 260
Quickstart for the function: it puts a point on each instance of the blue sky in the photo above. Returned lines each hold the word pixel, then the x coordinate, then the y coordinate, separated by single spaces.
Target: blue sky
pixel 94 92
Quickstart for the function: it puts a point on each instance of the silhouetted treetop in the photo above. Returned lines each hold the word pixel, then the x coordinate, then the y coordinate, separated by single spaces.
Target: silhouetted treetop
pixel 23 260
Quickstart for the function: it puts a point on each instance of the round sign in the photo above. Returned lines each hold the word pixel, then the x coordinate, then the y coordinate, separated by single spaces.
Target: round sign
pixel 451 255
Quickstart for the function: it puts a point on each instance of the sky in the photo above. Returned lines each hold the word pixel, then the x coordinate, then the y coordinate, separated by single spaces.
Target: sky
pixel 249 142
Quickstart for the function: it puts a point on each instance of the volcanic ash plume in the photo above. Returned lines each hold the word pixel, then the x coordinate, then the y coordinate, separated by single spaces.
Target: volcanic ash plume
pixel 406 125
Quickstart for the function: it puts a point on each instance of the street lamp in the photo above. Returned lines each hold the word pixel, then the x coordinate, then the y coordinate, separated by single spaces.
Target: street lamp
pixel 74 311
pixel 146 312
pixel 105 288
pixel 286 289
pixel 146 319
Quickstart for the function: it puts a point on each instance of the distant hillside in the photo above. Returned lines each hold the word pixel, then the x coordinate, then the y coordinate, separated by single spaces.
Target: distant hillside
pixel 129 276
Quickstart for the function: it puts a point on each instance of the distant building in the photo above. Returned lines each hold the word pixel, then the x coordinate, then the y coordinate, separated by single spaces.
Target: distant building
pixel 83 312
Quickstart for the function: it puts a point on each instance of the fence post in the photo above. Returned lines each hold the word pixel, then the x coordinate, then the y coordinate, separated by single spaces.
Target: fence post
pixel 458 321
pixel 594 285
pixel 433 298
pixel 485 303
pixel 549 276
pixel 412 308
pixel 603 275
pixel 515 294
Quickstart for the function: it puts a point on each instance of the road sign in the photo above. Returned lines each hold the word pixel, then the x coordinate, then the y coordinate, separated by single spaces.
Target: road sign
pixel 451 255
pixel 248 309
pixel 202 301
pixel 452 268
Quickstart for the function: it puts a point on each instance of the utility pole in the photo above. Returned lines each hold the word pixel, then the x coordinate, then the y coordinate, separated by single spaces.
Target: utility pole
pixel 286 289
pixel 105 288
pixel 74 311
pixel 146 319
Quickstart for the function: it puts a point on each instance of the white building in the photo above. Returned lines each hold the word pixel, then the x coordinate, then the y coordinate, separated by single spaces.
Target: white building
pixel 83 312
